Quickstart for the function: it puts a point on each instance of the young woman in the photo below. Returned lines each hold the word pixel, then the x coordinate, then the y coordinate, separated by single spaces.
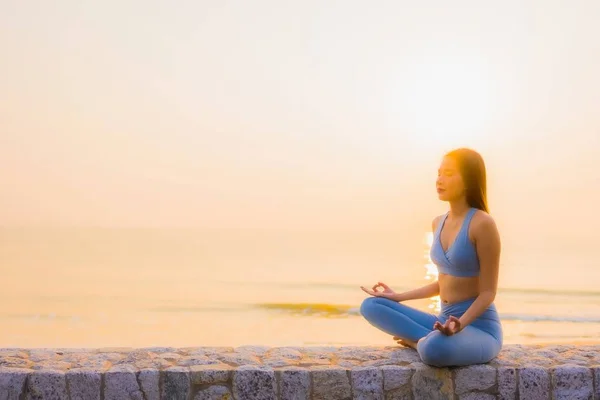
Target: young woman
pixel 466 250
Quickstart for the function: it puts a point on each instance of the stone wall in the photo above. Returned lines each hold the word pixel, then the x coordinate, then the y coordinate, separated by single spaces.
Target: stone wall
pixel 328 373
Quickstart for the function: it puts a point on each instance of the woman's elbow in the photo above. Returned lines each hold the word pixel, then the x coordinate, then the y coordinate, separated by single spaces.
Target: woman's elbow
pixel 488 295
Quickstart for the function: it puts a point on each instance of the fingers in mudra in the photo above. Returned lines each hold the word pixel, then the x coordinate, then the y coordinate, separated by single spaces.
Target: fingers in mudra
pixel 369 291
pixel 385 289
pixel 450 327
pixel 456 321
pixel 379 285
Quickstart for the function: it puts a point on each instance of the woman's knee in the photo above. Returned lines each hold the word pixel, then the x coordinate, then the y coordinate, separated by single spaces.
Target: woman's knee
pixel 434 350
pixel 367 306
pixel 370 305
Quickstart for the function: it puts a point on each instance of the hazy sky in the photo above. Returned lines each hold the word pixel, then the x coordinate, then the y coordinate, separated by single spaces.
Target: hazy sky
pixel 287 114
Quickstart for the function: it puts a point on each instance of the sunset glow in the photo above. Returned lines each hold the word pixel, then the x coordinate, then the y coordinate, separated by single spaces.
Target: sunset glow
pixel 228 173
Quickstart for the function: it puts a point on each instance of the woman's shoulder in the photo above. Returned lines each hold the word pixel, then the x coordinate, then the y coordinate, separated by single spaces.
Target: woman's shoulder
pixel 482 223
pixel 436 221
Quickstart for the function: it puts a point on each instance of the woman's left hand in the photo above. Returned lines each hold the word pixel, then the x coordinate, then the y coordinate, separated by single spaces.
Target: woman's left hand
pixel 450 327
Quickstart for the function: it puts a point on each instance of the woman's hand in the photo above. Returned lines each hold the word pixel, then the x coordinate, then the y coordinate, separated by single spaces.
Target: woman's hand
pixel 450 327
pixel 385 293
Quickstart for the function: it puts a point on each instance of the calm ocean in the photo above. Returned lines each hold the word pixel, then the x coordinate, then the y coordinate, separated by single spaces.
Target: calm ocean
pixel 178 287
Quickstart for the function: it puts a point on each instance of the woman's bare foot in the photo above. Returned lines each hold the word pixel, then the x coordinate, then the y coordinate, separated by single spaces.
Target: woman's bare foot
pixel 406 342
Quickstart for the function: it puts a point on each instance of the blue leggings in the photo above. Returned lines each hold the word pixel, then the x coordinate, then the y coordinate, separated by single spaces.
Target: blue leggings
pixel 478 342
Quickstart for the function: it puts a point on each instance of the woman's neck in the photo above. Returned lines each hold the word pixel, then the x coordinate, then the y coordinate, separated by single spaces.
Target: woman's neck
pixel 458 208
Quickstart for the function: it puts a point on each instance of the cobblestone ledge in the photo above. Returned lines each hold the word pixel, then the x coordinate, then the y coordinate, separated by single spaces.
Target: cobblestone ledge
pixel 328 373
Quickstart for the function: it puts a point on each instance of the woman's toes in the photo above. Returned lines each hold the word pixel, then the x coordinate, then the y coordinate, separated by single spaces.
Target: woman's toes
pixel 407 343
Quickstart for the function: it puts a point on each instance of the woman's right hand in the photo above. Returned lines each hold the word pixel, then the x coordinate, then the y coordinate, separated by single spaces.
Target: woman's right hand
pixel 387 292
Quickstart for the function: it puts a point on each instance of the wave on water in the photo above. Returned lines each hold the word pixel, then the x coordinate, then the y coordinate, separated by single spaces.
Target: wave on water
pixel 312 309
pixel 343 310
pixel 548 318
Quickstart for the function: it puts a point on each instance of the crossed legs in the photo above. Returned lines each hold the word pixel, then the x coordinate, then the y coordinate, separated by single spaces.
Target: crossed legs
pixel 469 346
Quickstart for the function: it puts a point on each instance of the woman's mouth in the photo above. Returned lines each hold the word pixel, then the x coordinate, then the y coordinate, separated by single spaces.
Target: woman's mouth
pixel 440 190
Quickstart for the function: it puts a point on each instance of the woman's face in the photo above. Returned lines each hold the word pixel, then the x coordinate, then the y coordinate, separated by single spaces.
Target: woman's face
pixel 449 184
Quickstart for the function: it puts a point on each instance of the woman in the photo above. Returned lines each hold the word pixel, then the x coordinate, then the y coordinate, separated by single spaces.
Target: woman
pixel 466 250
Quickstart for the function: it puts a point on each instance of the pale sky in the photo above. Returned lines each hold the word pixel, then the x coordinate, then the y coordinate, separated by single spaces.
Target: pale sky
pixel 293 114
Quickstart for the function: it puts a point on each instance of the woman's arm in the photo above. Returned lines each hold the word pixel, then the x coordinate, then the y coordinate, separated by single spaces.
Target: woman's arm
pixel 487 244
pixel 427 291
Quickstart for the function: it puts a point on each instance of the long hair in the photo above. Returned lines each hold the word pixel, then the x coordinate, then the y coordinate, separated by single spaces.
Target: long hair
pixel 472 169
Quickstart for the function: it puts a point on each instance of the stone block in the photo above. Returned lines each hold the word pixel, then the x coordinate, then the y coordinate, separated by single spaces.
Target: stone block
pixel 534 383
pixel 47 385
pixel 431 383
pixel 396 377
pixel 294 383
pixel 120 383
pixel 572 382
pixel 507 383
pixel 210 374
pixel 149 381
pixel 367 383
pixel 12 382
pixel 254 383
pixel 84 384
pixel 474 378
pixel 330 383
pixel 216 392
pixel 175 383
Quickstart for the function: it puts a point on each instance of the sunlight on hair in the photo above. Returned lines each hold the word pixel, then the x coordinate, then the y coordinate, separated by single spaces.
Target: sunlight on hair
pixel 431 272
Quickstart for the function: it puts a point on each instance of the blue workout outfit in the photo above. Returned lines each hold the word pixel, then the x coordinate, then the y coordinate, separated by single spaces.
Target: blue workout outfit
pixel 477 343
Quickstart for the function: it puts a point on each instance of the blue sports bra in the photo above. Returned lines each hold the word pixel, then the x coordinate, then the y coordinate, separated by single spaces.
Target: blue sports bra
pixel 461 257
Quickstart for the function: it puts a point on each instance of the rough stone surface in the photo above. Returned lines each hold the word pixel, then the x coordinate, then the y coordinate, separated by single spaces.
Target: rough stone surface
pixel 397 382
pixel 210 374
pixel 254 383
pixel 507 383
pixel 47 384
pixel 84 384
pixel 399 394
pixel 12 382
pixel 534 383
pixel 149 380
pixel 240 359
pixel 196 360
pixel 258 372
pixel 403 356
pixel 294 383
pixel 254 350
pixel 432 383
pixel 330 383
pixel 175 383
pixel 284 352
pixel 572 382
pixel 367 383
pixel 597 383
pixel 396 377
pixel 474 377
pixel 214 393
pixel 120 382
pixel 477 396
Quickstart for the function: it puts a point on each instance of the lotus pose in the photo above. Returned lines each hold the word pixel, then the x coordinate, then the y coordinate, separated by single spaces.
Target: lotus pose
pixel 466 251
